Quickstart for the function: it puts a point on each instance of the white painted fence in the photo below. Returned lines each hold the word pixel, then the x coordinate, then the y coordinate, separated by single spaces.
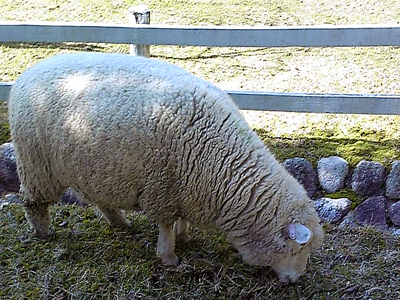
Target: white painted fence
pixel 221 36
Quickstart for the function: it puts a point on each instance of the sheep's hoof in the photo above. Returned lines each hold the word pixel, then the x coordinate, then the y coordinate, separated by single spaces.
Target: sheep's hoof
pixel 120 224
pixel 41 233
pixel 182 238
pixel 170 260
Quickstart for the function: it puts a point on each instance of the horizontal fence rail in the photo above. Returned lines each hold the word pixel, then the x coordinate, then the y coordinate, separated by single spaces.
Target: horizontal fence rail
pixel 220 36
pixel 213 36
pixel 318 103
pixel 295 102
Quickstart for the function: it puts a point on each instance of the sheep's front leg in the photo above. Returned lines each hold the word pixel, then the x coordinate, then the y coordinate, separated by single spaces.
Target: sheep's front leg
pixel 38 217
pixel 166 245
pixel 182 230
pixel 114 216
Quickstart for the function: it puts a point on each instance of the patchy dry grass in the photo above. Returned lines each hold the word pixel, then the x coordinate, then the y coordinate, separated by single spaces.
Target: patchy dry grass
pixel 85 259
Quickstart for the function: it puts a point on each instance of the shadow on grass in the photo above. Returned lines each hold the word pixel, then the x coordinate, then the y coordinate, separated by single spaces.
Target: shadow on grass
pixel 204 54
pixel 57 46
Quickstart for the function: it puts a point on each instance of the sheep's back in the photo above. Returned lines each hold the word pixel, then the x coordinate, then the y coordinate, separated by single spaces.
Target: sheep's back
pixel 107 124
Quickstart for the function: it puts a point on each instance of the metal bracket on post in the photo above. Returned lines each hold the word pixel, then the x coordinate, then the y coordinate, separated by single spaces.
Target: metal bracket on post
pixel 139 15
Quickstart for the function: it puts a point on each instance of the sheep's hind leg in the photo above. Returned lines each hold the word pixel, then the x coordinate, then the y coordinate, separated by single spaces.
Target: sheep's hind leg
pixel 38 216
pixel 36 205
pixel 113 216
pixel 181 228
pixel 166 245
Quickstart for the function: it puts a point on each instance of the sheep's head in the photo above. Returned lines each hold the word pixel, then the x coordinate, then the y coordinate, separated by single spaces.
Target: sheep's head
pixel 287 253
pixel 290 267
pixel 278 227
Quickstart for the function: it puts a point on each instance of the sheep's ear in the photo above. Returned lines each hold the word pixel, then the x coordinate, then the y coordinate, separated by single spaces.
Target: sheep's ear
pixel 298 232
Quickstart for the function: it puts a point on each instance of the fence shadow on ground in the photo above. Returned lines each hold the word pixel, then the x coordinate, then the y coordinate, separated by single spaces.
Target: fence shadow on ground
pixel 204 54
pixel 57 46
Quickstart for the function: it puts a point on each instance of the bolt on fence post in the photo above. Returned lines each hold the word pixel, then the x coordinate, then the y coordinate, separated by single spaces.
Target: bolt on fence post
pixel 139 15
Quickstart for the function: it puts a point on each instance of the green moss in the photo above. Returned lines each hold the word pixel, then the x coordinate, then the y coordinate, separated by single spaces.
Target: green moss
pixel 346 193
pixel 313 148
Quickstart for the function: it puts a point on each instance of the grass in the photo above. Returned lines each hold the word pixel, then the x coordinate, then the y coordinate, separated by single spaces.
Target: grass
pixel 314 136
pixel 85 259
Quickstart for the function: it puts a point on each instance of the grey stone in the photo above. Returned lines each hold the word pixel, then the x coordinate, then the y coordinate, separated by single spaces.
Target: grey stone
pixel 8 169
pixel 332 172
pixel 393 181
pixel 348 221
pixel 8 199
pixel 368 178
pixel 71 197
pixel 394 213
pixel 347 181
pixel 332 210
pixel 303 171
pixel 12 198
pixel 394 231
pixel 372 212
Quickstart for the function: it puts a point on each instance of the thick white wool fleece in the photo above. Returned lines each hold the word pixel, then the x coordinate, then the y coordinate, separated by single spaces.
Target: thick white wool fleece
pixel 129 132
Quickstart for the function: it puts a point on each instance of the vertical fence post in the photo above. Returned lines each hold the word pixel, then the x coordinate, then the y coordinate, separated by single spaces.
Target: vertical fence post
pixel 139 15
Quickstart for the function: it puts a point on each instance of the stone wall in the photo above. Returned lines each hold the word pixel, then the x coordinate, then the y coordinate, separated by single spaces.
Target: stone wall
pixel 377 191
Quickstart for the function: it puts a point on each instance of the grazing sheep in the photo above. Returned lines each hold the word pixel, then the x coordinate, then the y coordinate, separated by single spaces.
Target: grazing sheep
pixel 132 133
